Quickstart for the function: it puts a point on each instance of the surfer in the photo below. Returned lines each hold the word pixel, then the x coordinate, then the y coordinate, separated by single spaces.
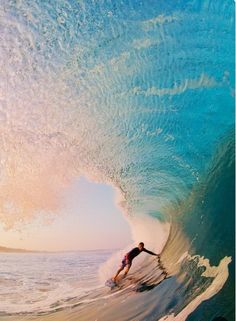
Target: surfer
pixel 128 258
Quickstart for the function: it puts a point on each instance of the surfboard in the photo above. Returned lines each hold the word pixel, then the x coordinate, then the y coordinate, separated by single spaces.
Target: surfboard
pixel 110 283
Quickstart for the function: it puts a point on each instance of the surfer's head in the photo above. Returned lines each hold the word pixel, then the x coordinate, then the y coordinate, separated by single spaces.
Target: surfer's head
pixel 141 246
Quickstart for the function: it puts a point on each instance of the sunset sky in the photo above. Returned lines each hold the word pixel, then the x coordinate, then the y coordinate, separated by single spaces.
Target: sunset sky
pixel 89 220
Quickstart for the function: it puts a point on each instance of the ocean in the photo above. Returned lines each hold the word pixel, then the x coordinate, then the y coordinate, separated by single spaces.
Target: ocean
pixel 138 95
pixel 40 282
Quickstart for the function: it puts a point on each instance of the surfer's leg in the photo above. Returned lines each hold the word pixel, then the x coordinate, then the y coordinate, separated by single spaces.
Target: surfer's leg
pixel 122 266
pixel 117 273
pixel 128 266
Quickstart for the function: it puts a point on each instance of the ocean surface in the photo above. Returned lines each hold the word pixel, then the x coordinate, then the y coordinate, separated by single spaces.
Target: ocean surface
pixel 39 282
pixel 138 95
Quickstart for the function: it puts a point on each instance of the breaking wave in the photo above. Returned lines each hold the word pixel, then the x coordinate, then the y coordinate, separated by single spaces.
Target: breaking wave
pixel 138 95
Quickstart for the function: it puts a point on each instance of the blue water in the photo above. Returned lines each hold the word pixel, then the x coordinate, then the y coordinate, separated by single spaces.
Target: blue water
pixel 136 94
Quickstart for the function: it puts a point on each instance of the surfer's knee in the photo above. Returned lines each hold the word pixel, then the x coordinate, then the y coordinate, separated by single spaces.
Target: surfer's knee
pixel 127 268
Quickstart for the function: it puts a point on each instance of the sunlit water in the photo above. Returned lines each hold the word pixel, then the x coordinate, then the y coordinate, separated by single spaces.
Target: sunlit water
pixel 42 281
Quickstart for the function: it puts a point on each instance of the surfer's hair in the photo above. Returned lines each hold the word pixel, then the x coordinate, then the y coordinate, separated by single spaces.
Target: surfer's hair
pixel 141 243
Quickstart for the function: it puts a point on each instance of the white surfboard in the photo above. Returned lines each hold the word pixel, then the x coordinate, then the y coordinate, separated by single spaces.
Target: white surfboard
pixel 110 283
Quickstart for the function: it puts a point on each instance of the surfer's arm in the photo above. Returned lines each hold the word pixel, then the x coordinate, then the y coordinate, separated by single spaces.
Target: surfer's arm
pixel 150 252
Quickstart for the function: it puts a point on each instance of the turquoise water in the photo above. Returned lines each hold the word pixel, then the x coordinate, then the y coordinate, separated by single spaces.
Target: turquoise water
pixel 138 95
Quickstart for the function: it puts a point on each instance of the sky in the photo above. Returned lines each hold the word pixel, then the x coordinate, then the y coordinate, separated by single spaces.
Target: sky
pixel 89 220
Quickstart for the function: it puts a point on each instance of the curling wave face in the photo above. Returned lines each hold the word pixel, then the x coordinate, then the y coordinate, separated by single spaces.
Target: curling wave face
pixel 137 95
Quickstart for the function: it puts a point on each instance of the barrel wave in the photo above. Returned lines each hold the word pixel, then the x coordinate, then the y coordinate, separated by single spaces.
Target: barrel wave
pixel 139 95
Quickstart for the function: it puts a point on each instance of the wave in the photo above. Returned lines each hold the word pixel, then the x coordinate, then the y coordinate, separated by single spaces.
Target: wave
pixel 195 262
pixel 139 96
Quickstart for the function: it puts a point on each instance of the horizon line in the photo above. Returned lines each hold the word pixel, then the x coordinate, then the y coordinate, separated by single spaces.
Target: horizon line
pixel 4 249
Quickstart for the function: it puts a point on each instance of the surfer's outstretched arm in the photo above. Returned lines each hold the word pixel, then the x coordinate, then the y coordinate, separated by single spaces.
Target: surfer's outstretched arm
pixel 150 252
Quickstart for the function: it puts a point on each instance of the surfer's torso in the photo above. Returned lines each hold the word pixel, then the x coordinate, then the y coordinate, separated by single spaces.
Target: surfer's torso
pixel 134 252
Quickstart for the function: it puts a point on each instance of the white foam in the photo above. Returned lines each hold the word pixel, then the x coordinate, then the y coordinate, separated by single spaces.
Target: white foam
pixel 220 273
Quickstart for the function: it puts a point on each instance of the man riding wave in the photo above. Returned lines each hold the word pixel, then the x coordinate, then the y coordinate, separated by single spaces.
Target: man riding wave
pixel 128 258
